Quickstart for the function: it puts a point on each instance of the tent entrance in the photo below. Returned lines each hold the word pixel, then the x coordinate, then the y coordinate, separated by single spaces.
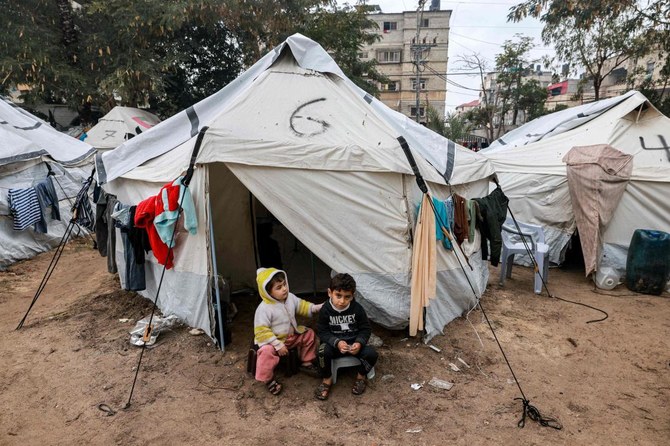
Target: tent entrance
pixel 247 236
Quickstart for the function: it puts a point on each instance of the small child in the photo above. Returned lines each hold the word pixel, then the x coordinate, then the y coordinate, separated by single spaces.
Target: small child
pixel 343 329
pixel 276 329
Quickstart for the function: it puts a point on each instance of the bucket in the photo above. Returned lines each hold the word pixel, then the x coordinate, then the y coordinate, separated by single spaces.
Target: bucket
pixel 648 261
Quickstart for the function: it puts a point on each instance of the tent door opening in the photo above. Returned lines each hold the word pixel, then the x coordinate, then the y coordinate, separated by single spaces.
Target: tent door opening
pixel 244 236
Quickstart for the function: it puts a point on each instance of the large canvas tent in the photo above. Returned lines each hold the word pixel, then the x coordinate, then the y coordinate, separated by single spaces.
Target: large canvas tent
pixel 603 168
pixel 118 126
pixel 294 135
pixel 27 146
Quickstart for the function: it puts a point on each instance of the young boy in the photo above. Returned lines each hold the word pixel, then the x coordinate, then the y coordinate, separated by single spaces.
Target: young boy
pixel 276 329
pixel 343 329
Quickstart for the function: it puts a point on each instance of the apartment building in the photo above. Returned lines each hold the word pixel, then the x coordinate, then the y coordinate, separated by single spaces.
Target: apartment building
pixel 395 54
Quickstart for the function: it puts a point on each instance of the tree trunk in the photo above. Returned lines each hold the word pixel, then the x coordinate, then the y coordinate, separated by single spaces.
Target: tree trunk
pixel 597 81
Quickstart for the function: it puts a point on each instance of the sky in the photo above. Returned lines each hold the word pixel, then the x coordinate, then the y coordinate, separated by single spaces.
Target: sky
pixel 477 26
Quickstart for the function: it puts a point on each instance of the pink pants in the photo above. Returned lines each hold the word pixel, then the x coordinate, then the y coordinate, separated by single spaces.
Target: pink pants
pixel 267 357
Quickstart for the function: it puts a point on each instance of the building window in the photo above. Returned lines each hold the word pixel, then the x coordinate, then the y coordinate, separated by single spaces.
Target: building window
pixel 422 83
pixel 390 26
pixel 389 56
pixel 391 86
pixel 422 112
pixel 424 23
pixel 363 55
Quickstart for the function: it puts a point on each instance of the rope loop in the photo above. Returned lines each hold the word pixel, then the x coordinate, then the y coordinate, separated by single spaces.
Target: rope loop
pixel 534 414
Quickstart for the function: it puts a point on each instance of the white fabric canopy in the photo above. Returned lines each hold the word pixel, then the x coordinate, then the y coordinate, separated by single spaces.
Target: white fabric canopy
pixel 118 126
pixel 59 146
pixel 324 158
pixel 529 164
pixel 26 145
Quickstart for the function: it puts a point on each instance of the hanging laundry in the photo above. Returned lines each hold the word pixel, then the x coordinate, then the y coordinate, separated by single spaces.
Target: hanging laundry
pixel 83 212
pixel 449 204
pixel 473 210
pixel 111 234
pixel 158 215
pixel 47 197
pixel 442 222
pixel 101 227
pixel 24 207
pixel 493 210
pixel 461 229
pixel 167 209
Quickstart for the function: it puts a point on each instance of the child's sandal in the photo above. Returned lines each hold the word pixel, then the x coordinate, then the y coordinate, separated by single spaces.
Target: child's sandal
pixel 322 392
pixel 274 387
pixel 359 387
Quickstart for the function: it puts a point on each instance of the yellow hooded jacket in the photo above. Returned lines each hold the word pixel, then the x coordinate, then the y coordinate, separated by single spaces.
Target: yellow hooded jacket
pixel 275 320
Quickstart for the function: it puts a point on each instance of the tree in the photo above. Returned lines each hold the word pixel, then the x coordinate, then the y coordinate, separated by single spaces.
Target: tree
pixel 484 114
pixel 589 33
pixel 169 53
pixel 531 99
pixel 39 49
pixel 455 126
pixel 511 66
pixel 341 30
pixel 205 59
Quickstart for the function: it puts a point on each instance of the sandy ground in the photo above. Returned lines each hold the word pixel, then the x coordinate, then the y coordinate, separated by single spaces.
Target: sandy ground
pixel 608 383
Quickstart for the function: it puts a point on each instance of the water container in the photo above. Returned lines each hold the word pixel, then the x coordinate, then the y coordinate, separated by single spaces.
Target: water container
pixel 606 278
pixel 648 262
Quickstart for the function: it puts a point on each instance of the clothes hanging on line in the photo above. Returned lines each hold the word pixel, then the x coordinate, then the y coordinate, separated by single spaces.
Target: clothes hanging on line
pixel 493 210
pixel 158 215
pixel 461 229
pixel 83 212
pixel 135 244
pixel 24 206
pixel 48 198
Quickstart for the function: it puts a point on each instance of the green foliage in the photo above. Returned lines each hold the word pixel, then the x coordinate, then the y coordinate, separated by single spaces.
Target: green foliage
pixel 32 52
pixel 532 97
pixel 167 54
pixel 588 33
pixel 456 127
pixel 205 59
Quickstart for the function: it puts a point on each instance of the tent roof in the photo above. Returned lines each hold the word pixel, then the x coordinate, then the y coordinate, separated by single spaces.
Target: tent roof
pixel 33 138
pixel 111 130
pixel 305 89
pixel 629 123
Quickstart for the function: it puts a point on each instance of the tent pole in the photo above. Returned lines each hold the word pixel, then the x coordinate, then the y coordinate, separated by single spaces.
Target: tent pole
pixel 212 245
pixel 313 265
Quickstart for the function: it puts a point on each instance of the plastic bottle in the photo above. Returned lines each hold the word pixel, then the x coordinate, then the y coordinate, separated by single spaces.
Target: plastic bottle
pixel 606 278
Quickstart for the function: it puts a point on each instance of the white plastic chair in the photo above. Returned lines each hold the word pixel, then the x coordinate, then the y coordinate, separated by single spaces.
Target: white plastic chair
pixel 512 245
pixel 347 361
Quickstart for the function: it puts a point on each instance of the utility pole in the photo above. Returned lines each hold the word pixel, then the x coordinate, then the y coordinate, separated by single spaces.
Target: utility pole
pixel 418 49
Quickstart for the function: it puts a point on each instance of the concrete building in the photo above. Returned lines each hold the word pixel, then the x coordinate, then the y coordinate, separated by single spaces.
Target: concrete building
pixel 396 59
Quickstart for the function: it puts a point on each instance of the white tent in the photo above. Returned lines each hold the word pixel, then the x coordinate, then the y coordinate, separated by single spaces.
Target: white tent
pixel 119 125
pixel 323 157
pixel 529 162
pixel 27 145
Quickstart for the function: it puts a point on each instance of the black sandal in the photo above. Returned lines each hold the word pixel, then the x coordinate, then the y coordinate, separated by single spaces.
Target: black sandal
pixel 322 392
pixel 274 387
pixel 359 387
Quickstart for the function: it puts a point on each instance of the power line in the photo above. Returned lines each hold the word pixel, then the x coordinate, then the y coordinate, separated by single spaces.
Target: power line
pixel 496 44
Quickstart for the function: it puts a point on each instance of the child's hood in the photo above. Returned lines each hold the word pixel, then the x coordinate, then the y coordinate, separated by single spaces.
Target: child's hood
pixel 263 277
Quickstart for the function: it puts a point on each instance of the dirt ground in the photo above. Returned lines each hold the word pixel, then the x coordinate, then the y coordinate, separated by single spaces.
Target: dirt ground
pixel 608 383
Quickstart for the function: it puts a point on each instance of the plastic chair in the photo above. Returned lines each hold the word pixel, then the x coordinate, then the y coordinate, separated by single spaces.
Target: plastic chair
pixel 512 245
pixel 347 361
